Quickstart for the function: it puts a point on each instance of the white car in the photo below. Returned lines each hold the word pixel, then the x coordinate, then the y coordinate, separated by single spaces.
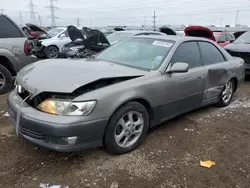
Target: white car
pixel 53 46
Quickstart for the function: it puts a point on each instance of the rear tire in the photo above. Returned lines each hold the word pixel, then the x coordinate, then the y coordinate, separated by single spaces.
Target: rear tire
pixel 227 94
pixel 120 140
pixel 6 81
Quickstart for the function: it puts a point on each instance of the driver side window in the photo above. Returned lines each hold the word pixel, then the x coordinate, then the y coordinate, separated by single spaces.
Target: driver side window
pixel 189 53
pixel 65 33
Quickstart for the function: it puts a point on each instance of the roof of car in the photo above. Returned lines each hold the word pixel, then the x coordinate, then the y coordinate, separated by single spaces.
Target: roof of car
pixel 173 37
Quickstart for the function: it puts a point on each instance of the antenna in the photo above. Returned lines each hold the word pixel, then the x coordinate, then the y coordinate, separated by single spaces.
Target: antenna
pixel 32 12
pixel 52 9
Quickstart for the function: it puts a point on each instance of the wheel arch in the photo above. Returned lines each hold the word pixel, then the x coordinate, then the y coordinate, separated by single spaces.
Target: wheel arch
pixel 4 61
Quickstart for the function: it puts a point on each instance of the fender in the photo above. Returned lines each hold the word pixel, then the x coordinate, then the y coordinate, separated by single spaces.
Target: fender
pixel 12 59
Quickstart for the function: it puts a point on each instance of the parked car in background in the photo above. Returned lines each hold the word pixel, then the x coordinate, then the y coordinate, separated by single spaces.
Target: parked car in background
pixel 84 43
pixel 120 35
pixel 14 52
pixel 241 48
pixel 199 31
pixel 238 34
pixel 223 38
pixel 113 99
pixel 50 47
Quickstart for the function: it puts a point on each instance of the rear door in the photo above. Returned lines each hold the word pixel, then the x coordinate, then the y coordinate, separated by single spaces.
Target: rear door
pixel 217 71
pixel 184 91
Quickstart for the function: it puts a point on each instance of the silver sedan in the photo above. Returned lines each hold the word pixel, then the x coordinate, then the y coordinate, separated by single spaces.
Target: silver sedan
pixel 112 100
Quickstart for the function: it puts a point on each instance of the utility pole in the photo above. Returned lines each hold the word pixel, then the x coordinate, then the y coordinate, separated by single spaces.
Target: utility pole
pixel 32 12
pixel 221 22
pixel 90 23
pixel 21 18
pixel 78 22
pixel 154 21
pixel 39 18
pixel 2 11
pixel 236 19
pixel 145 20
pixel 52 9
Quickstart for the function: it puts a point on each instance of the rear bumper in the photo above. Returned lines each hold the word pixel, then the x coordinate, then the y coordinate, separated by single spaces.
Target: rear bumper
pixel 48 130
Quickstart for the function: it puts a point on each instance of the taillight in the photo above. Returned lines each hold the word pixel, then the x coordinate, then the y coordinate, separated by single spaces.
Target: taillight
pixel 27 47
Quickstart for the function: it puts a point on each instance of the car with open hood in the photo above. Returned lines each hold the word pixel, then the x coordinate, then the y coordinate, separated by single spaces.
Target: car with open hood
pixel 84 43
pixel 111 100
pixel 33 31
pixel 199 31
pixel 51 46
pixel 241 48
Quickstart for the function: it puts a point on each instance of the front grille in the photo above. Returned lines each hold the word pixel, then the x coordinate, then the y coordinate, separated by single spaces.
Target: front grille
pixel 243 55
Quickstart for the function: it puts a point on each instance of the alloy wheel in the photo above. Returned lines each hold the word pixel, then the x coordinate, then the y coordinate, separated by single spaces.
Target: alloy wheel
pixel 129 129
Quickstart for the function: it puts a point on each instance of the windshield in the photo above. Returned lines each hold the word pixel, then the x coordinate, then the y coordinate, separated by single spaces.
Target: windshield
pixel 142 53
pixel 117 36
pixel 54 32
pixel 243 39
pixel 216 35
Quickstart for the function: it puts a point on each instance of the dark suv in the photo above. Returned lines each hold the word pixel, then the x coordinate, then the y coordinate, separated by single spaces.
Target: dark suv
pixel 14 52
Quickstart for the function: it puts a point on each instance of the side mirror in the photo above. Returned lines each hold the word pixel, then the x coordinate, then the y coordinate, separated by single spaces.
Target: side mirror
pixel 231 41
pixel 179 68
pixel 62 35
pixel 221 41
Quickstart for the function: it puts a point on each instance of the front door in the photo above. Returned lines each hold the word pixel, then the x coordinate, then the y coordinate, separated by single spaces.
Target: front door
pixel 184 91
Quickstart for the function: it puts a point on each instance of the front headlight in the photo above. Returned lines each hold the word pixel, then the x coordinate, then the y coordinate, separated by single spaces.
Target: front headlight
pixel 75 48
pixel 62 107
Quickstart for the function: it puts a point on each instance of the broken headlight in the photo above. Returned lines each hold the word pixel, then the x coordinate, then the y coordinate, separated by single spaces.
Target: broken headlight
pixel 68 108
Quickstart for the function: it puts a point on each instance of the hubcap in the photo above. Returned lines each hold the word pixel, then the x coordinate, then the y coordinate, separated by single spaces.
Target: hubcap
pixel 2 80
pixel 52 53
pixel 228 92
pixel 129 129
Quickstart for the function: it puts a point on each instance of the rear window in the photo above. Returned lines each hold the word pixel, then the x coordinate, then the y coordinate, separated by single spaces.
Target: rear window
pixel 8 29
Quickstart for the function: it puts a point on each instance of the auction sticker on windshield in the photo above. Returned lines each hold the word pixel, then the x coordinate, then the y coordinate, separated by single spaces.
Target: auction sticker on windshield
pixel 161 43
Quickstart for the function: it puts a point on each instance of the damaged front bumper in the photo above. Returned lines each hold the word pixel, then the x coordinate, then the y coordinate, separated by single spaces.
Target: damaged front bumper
pixel 52 131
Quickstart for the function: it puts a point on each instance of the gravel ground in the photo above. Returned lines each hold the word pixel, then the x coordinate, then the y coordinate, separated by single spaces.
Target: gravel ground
pixel 169 158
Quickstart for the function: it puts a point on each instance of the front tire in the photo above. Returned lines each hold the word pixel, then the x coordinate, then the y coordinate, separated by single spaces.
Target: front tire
pixel 6 81
pixel 127 128
pixel 51 52
pixel 227 94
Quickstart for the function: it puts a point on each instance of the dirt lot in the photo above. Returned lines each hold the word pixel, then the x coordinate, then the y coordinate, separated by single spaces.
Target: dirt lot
pixel 169 158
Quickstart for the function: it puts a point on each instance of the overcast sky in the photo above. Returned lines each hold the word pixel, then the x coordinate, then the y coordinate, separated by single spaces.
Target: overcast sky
pixel 134 12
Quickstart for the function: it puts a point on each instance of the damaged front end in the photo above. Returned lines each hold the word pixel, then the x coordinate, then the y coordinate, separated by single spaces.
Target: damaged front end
pixel 63 103
pixel 84 43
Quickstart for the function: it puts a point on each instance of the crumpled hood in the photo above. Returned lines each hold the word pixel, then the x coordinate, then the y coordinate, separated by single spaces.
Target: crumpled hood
pixel 234 47
pixel 65 76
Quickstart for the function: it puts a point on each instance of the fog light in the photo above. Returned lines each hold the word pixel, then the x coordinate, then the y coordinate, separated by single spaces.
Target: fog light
pixel 70 140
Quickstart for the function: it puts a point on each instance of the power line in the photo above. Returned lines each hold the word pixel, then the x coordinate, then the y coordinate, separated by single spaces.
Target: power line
pixel 52 9
pixel 32 12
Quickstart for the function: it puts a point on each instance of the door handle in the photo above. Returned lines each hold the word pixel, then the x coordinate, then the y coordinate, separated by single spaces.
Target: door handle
pixel 200 77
